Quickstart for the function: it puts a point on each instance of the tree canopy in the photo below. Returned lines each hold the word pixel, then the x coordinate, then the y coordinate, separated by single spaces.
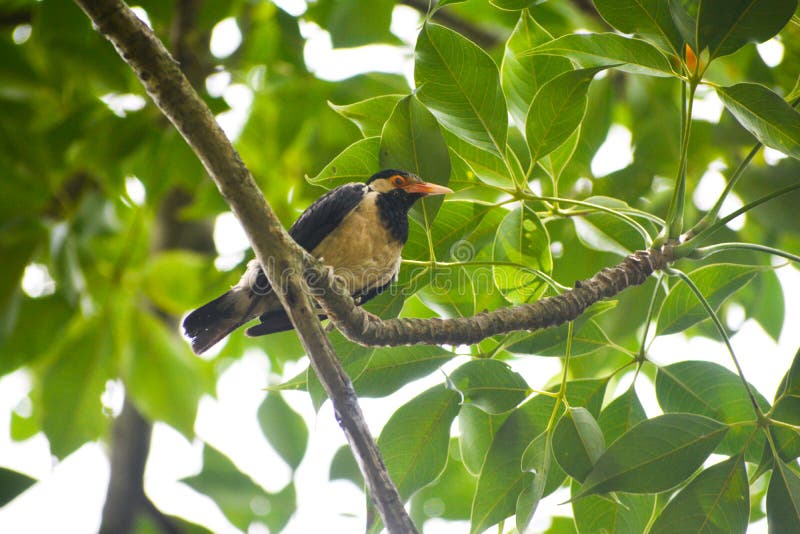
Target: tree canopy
pixel 573 133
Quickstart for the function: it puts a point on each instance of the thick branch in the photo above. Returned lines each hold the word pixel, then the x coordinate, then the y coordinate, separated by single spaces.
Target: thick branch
pixel 173 94
pixel 367 329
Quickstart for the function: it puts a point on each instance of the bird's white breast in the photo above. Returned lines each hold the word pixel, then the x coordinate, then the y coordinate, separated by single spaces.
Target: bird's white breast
pixel 361 250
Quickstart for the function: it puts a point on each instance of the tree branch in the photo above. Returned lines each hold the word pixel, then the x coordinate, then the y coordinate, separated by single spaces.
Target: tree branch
pixel 173 94
pixel 367 329
pixel 130 443
pixel 292 271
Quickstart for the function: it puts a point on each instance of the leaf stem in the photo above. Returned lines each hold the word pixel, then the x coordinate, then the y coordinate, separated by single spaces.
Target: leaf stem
pixel 702 253
pixel 648 318
pixel 686 248
pixel 632 223
pixel 723 334
pixel 712 214
pixel 676 210
pixel 562 390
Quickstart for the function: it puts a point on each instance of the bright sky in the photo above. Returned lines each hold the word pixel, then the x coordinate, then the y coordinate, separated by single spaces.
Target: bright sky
pixel 73 490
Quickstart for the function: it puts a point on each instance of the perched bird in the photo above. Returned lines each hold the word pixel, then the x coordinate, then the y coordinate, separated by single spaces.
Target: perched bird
pixel 358 229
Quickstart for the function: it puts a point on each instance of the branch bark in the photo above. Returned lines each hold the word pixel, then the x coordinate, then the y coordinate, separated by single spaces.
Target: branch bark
pixel 173 94
pixel 367 329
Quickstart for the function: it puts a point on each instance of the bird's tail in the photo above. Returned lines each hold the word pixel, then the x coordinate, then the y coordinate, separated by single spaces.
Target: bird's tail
pixel 211 322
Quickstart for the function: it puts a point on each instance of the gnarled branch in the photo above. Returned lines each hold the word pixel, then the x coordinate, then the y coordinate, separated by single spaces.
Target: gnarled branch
pixel 365 328
pixel 295 275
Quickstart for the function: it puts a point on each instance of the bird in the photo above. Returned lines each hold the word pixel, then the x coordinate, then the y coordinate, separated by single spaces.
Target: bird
pixel 358 229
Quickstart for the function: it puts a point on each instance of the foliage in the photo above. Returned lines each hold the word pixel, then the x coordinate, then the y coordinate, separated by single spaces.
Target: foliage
pixel 529 218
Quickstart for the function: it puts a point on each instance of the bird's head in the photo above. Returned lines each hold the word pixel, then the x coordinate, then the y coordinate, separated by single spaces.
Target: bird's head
pixel 404 186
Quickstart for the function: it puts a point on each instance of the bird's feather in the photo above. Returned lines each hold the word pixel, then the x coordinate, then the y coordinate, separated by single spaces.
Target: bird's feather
pixel 324 215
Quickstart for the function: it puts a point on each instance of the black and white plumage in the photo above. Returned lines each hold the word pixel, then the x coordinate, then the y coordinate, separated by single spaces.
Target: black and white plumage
pixel 359 229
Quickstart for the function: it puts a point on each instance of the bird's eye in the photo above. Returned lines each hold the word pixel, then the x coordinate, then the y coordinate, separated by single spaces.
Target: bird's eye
pixel 398 181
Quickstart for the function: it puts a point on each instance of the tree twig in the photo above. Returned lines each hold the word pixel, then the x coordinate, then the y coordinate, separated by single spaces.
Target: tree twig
pixel 173 94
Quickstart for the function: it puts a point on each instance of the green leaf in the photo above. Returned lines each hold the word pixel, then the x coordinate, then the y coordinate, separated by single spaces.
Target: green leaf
pixel 682 309
pixel 165 380
pixel 344 467
pixel 390 368
pixel 587 336
pixel 453 234
pixel 606 233
pixel 655 455
pixel 724 26
pixel 72 384
pixel 705 388
pixel 608 50
pixel 355 163
pixel 451 292
pixel 538 457
pixel 20 347
pixel 173 280
pixel 12 483
pixel 18 242
pixel 412 140
pixel 556 161
pixel 521 74
pixel 557 110
pixel 369 115
pixel 588 393
pixel 717 500
pixel 236 494
pixel 647 17
pixel 284 428
pixel 621 415
pixel 449 496
pixel 477 429
pixel 787 440
pixel 460 84
pixel 354 22
pixel 578 442
pixel 487 166
pixel 491 385
pixel 501 480
pixel 414 442
pixel 783 499
pixel 769 309
pixel 514 5
pixel 354 359
pixel 625 514
pixel 790 384
pixel 765 115
pixel 521 239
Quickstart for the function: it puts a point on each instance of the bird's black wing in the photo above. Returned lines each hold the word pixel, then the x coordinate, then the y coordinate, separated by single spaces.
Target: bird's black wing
pixel 320 219
pixel 324 215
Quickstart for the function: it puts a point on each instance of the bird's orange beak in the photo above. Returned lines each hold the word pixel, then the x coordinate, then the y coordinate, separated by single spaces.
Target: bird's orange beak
pixel 427 188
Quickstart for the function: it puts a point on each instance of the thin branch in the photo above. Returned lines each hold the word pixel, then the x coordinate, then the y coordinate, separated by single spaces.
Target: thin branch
pixel 173 94
pixel 15 18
